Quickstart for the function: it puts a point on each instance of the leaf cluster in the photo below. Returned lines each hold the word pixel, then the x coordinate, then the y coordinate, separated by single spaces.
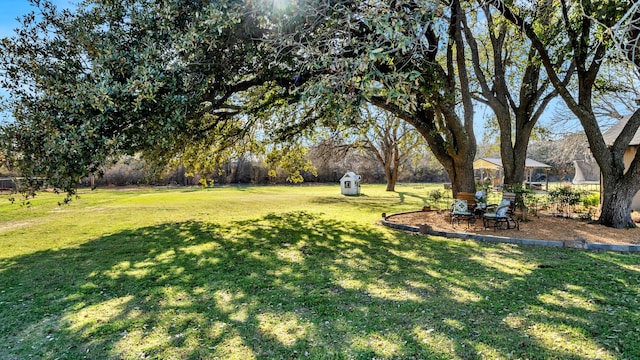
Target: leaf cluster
pixel 168 80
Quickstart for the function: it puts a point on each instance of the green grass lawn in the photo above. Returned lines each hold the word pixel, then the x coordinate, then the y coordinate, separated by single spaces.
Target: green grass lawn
pixel 293 272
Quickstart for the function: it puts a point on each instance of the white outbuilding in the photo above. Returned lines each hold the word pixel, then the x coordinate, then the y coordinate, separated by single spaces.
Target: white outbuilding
pixel 350 184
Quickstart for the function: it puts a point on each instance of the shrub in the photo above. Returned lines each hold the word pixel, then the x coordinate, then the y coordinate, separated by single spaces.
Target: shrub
pixel 435 196
pixel 590 199
pixel 564 198
pixel 524 195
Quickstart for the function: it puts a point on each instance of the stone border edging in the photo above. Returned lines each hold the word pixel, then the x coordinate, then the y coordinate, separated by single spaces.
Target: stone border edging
pixel 427 230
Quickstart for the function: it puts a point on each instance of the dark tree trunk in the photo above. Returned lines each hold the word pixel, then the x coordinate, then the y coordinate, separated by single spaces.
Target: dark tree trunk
pixel 619 182
pixel 615 206
pixel 619 186
pixel 514 156
pixel 392 178
pixel 461 175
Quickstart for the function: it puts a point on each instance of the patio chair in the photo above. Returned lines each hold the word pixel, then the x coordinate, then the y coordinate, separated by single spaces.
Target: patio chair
pixel 470 198
pixel 463 208
pixel 502 218
pixel 511 197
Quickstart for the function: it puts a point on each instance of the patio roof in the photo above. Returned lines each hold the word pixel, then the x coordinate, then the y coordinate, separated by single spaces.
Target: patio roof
pixel 496 164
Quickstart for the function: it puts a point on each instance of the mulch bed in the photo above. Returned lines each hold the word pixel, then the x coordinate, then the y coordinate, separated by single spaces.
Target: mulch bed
pixel 540 227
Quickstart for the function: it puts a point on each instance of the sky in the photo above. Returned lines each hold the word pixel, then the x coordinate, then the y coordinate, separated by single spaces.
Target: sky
pixel 9 11
pixel 12 9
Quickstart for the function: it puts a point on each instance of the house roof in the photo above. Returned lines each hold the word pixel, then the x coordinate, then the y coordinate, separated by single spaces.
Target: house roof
pixel 586 172
pixel 496 163
pixel 612 133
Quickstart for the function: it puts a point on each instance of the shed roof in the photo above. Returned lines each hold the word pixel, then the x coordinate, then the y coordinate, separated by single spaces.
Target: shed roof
pixel 496 163
pixel 612 133
pixel 350 175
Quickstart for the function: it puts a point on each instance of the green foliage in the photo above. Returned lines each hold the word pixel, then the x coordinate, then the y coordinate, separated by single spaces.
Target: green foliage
pixel 293 159
pixel 436 195
pixel 590 199
pixel 439 199
pixel 200 83
pixel 125 78
pixel 524 195
pixel 564 197
pixel 484 185
pixel 204 183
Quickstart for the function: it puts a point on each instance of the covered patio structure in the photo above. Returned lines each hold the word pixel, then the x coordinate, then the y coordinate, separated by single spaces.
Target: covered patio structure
pixel 492 168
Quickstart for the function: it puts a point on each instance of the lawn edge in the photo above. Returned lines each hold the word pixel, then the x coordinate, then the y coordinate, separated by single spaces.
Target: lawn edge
pixel 425 229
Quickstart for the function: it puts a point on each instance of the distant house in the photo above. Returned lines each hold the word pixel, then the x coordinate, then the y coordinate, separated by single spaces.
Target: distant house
pixel 586 172
pixel 610 137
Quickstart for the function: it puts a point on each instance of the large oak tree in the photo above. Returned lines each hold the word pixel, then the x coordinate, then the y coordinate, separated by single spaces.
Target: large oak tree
pixel 510 80
pixel 406 57
pixel 199 77
pixel 588 47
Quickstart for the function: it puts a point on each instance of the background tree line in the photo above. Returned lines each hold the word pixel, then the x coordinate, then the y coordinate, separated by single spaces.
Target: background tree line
pixel 331 161
pixel 331 158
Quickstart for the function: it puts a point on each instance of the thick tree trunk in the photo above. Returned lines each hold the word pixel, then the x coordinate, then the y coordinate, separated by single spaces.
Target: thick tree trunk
pixel 514 168
pixel 617 196
pixel 508 163
pixel 391 186
pixel 392 178
pixel 616 211
pixel 461 176
pixel 619 180
pixel 463 182
pixel 392 168
pixel 513 163
pixel 515 176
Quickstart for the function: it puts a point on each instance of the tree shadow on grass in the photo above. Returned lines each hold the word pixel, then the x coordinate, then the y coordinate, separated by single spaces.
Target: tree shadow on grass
pixel 298 285
pixel 364 203
pixel 404 194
